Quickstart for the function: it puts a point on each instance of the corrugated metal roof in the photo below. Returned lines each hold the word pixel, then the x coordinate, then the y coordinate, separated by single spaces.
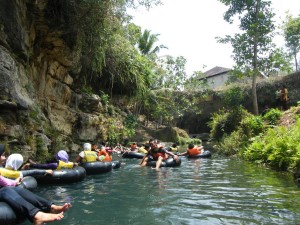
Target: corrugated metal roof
pixel 216 71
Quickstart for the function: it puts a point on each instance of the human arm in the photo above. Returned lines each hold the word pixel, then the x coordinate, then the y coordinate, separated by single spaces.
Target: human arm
pixel 183 154
pixel 79 157
pixel 4 182
pixel 170 154
pixel 51 166
pixel 36 172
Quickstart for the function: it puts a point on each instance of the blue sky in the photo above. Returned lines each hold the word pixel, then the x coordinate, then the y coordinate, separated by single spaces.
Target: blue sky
pixel 189 27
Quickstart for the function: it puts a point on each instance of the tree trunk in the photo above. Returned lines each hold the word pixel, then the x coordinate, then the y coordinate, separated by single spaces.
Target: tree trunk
pixel 296 62
pixel 255 70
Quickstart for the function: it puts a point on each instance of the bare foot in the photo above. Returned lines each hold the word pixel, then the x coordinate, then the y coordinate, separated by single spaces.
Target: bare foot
pixel 59 209
pixel 154 168
pixel 42 217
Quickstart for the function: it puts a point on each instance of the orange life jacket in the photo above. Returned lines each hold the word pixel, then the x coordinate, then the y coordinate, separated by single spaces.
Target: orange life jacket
pixel 157 154
pixel 107 157
pixel 194 151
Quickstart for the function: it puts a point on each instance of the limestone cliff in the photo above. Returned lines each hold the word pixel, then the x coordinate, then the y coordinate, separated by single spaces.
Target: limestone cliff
pixel 40 106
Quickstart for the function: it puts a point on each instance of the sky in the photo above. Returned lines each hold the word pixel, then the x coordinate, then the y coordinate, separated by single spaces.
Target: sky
pixel 189 27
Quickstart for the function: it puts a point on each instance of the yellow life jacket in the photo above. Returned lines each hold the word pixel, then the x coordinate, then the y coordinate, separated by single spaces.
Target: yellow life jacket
pixel 11 174
pixel 142 150
pixel 89 156
pixel 174 149
pixel 64 165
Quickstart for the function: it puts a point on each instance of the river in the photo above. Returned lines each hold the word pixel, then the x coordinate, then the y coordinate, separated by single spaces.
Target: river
pixel 200 191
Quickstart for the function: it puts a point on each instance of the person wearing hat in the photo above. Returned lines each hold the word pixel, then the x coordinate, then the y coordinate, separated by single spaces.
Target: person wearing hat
pixel 24 202
pixel 62 162
pixel 87 155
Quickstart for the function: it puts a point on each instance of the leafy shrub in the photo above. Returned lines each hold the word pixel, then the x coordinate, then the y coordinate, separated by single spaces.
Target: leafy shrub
pixel 278 148
pixel 225 122
pixel 272 116
pixel 231 144
pixel 130 124
pixel 252 125
pixel 233 97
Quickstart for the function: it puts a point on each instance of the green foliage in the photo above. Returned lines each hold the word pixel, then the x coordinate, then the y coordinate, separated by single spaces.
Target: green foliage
pixel 146 44
pixel 278 148
pixel 225 122
pixel 272 116
pixel 174 75
pixel 127 71
pixel 41 151
pixel 196 82
pixel 231 144
pixel 252 125
pixel 130 124
pixel 104 98
pixel 253 47
pixel 56 139
pixel 233 97
pixel 291 30
pixel 87 90
pixel 114 132
pixel 184 141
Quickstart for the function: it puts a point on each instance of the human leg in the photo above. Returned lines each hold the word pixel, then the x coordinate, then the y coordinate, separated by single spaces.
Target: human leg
pixel 158 162
pixel 144 161
pixel 17 202
pixel 21 206
pixel 41 203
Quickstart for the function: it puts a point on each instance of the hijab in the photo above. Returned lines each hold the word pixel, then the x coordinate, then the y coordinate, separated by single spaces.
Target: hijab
pixel 87 147
pixel 14 161
pixel 63 156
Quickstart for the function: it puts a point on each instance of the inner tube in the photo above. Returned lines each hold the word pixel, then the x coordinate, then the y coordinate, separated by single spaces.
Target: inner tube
pixel 7 214
pixel 116 164
pixel 169 162
pixel 29 183
pixel 63 176
pixel 133 155
pixel 97 167
pixel 205 154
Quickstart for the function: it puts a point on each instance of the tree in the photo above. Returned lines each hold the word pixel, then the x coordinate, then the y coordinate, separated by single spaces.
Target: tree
pixel 174 74
pixel 252 46
pixel 196 82
pixel 146 44
pixel 291 30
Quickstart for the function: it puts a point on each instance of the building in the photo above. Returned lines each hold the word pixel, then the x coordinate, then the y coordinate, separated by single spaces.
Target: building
pixel 216 77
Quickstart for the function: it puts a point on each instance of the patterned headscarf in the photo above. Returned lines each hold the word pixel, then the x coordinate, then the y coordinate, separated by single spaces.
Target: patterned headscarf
pixel 14 161
pixel 63 156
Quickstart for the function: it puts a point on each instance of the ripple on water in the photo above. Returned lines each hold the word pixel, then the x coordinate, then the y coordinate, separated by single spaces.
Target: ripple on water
pixel 201 191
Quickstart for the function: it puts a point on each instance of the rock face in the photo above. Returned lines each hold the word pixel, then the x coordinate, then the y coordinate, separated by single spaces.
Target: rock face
pixel 40 108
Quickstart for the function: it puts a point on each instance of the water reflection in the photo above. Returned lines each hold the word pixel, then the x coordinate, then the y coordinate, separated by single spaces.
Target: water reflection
pixel 200 191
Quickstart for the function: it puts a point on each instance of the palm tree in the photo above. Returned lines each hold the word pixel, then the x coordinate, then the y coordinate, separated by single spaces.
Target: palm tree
pixel 146 43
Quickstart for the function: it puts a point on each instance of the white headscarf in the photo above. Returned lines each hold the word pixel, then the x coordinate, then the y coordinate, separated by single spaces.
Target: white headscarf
pixel 14 161
pixel 87 147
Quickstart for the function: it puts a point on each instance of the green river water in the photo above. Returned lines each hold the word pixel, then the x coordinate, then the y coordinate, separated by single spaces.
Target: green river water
pixel 200 191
